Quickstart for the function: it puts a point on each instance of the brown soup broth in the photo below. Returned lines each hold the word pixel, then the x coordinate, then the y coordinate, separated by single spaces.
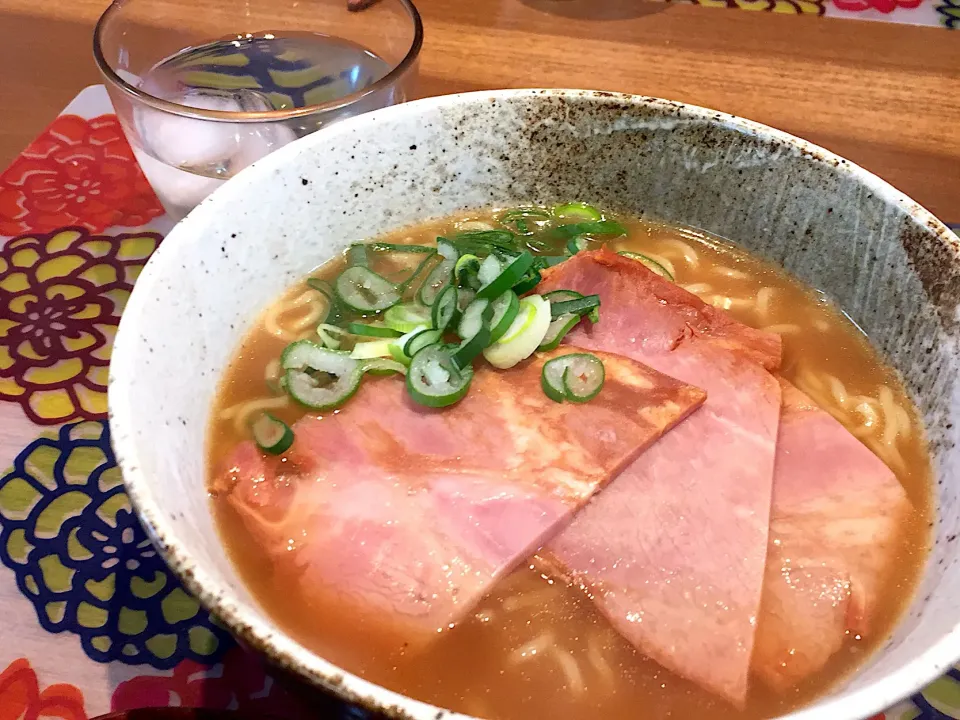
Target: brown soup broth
pixel 535 647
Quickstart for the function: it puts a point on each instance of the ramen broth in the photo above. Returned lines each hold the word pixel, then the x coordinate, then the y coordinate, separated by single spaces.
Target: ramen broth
pixel 536 647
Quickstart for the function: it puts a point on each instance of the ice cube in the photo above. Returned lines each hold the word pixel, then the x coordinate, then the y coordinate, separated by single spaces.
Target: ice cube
pixel 260 141
pixel 179 190
pixel 189 142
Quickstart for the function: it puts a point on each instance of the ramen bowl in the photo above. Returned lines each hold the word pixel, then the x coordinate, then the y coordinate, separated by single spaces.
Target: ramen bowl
pixel 816 214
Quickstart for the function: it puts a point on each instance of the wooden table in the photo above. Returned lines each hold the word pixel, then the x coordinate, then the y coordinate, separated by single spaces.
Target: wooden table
pixel 884 95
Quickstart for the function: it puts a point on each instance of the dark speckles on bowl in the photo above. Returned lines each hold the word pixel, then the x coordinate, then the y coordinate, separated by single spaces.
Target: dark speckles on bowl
pixel 888 263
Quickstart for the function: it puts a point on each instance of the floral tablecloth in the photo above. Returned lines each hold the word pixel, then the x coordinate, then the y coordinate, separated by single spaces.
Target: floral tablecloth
pixel 945 13
pixel 91 620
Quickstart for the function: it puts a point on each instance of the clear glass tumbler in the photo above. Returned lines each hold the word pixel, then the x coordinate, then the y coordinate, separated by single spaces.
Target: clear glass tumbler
pixel 203 89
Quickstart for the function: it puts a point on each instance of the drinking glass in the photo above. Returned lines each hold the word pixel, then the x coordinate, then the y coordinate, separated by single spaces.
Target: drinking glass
pixel 203 88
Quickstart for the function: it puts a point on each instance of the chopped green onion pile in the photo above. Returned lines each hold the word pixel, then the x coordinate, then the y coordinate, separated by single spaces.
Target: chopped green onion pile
pixel 446 306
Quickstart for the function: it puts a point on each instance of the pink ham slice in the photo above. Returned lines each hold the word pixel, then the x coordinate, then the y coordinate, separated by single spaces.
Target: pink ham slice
pixel 674 550
pixel 833 533
pixel 410 514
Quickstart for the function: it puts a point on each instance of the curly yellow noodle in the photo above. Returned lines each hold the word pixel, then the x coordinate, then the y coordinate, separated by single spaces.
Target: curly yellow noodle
pixel 866 407
pixel 272 372
pixel 838 390
pixel 273 323
pixel 764 297
pixel 688 253
pixel 473 225
pixel 571 670
pixel 783 328
pixel 725 302
pixel 530 650
pixel 891 419
pixel 697 288
pixel 731 272
pixel 669 266
pixel 242 412
pixel 599 661
pixel 538 598
pixel 906 424
pixel 808 381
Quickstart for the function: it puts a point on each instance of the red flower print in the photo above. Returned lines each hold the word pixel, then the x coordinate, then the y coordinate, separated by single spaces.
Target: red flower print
pixel 884 6
pixel 21 699
pixel 240 682
pixel 78 172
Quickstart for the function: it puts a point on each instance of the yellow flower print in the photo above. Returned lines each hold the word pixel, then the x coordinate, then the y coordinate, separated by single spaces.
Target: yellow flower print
pixel 62 294
pixel 790 7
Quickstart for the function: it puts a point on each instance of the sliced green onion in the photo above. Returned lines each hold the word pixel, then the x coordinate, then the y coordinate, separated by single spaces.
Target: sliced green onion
pixel 532 212
pixel 272 434
pixel 524 335
pixel 551 380
pixel 555 296
pixel 477 314
pixel 531 278
pixel 395 348
pixel 600 227
pixel 486 323
pixel 444 312
pixel 509 276
pixel 576 306
pixel 383 366
pixel 649 263
pixel 465 296
pixel 365 330
pixel 334 309
pixel 577 211
pixel 558 329
pixel 400 248
pixel 317 377
pixel 521 219
pixel 484 242
pixel 421 266
pixel 420 340
pixel 471 347
pixel 583 378
pixel 330 335
pixel 357 255
pixel 467 271
pixel 577 377
pixel 434 380
pixel 577 243
pixel 438 279
pixel 549 261
pixel 372 349
pixel 363 290
pixel 322 286
pixel 447 249
pixel 406 316
pixel 489 269
pixel 505 310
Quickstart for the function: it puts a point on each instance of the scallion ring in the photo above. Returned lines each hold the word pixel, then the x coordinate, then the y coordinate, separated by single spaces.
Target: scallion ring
pixel 434 380
pixel 363 290
pixel 577 377
pixel 317 377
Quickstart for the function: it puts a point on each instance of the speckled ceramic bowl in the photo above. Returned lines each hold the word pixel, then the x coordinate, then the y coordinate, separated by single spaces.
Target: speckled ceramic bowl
pixel 891 265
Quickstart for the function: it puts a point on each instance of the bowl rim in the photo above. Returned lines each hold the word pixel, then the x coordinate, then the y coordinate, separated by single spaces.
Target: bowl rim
pixel 282 649
pixel 137 94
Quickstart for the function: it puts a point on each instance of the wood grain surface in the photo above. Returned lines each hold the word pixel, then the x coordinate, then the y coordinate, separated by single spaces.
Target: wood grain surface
pixel 885 95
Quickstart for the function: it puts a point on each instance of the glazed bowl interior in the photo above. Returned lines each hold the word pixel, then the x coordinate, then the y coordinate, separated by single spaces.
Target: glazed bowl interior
pixel 889 264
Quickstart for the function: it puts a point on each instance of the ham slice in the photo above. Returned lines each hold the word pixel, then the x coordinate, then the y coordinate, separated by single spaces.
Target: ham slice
pixel 674 550
pixel 834 533
pixel 409 515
